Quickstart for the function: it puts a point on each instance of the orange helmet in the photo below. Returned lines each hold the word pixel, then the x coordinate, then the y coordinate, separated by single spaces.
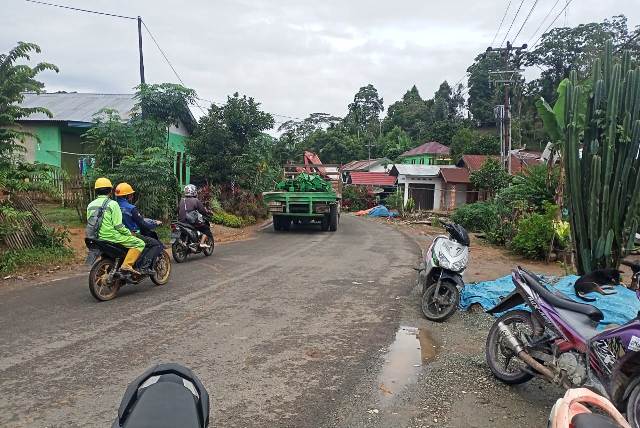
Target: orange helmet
pixel 124 189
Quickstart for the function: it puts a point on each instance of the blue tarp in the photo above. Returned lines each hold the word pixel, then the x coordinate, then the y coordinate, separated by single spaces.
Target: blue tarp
pixel 617 308
pixel 381 211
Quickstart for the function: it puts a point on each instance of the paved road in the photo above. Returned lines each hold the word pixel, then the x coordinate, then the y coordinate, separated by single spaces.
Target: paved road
pixel 282 329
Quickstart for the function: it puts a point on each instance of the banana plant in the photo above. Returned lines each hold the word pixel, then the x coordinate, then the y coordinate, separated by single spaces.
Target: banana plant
pixel 595 125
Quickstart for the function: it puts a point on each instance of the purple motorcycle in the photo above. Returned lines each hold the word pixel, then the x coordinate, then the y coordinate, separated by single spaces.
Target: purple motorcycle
pixel 558 340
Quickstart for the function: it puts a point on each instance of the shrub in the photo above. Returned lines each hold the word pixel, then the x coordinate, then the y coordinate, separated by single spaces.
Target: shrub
pixel 532 187
pixel 227 219
pixel 356 198
pixel 410 206
pixel 395 201
pixel 242 203
pixel 535 233
pixel 36 256
pixel 476 217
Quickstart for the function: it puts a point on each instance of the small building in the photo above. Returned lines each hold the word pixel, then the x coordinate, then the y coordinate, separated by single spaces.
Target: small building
pixel 60 136
pixel 431 153
pixel 457 189
pixel 422 183
pixel 520 160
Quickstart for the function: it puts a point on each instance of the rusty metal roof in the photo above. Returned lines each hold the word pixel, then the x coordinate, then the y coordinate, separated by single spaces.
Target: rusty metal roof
pixel 455 175
pixel 362 165
pixel 430 148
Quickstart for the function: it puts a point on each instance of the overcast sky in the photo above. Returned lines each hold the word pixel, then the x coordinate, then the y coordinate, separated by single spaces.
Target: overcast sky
pixel 294 56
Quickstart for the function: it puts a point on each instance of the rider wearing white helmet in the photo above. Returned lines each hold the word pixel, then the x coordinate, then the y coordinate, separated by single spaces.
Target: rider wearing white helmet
pixel 190 203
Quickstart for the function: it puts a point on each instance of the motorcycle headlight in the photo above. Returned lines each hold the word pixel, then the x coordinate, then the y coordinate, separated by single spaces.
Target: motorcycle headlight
pixel 460 265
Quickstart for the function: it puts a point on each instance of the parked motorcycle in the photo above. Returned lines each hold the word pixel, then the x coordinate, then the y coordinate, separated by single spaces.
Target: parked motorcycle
pixel 574 410
pixel 105 277
pixel 185 240
pixel 558 340
pixel 440 273
pixel 164 396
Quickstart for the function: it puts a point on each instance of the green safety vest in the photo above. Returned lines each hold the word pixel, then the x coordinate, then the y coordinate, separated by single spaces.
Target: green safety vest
pixel 112 229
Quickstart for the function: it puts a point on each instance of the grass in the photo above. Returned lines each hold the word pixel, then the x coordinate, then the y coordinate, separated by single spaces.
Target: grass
pixel 60 216
pixel 13 260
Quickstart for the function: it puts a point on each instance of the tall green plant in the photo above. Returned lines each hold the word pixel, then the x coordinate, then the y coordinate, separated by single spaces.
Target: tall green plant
pixel 597 124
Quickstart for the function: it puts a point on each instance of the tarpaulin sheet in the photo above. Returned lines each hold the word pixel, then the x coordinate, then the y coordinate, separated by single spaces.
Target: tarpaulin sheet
pixel 381 211
pixel 617 308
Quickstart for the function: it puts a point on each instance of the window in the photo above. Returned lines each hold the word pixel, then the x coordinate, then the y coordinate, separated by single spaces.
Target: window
pixel 413 161
pixel 422 161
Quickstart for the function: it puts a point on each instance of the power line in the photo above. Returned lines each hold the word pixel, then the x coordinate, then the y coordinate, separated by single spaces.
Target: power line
pixel 552 22
pixel 501 21
pixel 512 22
pixel 81 10
pixel 543 21
pixel 162 53
pixel 525 20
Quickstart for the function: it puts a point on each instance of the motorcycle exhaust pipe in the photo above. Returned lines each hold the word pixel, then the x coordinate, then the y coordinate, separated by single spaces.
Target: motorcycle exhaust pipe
pixel 514 343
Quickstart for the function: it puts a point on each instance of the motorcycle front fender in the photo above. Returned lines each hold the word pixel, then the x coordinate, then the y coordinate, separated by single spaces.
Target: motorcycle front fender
pixel 510 301
pixel 452 276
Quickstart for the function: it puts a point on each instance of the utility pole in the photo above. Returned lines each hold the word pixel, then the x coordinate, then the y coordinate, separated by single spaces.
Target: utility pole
pixel 140 50
pixel 507 77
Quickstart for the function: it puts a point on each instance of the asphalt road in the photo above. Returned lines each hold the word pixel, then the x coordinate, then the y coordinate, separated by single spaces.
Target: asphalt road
pixel 282 329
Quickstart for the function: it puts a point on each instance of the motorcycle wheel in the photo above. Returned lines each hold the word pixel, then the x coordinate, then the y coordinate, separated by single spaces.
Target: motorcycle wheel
pixel 439 308
pixel 98 277
pixel 208 251
pixel 502 361
pixel 162 269
pixel 179 252
pixel 633 407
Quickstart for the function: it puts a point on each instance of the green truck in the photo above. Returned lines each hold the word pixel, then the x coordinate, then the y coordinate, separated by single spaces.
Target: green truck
pixel 309 193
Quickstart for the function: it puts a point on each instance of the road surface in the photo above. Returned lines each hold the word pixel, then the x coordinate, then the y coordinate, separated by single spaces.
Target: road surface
pixel 282 329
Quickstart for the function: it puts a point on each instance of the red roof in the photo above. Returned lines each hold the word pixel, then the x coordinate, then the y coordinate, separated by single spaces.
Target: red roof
pixel 430 148
pixel 455 175
pixel 372 178
pixel 475 162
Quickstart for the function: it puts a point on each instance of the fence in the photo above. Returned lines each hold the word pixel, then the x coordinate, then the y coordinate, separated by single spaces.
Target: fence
pixel 22 236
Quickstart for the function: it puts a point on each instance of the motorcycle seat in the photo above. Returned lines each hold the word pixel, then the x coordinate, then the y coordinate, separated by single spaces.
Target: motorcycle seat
pixel 592 420
pixel 593 313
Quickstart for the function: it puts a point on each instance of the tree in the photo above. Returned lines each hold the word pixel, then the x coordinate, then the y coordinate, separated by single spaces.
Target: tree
pixel 483 96
pixel 364 111
pixel 490 178
pixel 412 114
pixel 393 143
pixel 224 135
pixel 337 145
pixel 15 80
pixel 295 135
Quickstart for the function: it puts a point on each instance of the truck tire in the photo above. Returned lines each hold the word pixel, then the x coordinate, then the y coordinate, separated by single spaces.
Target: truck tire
pixel 333 218
pixel 277 224
pixel 324 223
pixel 285 223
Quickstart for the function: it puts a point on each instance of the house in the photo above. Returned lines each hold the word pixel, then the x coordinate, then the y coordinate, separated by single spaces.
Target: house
pixel 379 183
pixel 422 183
pixel 60 135
pixel 431 153
pixel 519 160
pixel 456 188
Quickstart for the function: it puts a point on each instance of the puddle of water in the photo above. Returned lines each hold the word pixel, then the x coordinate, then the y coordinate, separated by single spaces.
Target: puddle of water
pixel 412 348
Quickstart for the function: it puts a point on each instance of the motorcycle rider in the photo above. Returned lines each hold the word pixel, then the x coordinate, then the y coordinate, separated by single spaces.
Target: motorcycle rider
pixel 190 203
pixel 111 228
pixel 137 224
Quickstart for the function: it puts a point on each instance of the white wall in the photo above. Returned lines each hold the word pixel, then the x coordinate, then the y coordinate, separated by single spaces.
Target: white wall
pixel 435 180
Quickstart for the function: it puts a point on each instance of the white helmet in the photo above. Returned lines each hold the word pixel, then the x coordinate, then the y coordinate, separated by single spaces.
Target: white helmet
pixel 190 190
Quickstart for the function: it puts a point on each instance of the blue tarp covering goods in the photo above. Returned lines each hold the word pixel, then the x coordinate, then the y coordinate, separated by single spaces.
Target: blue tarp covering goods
pixel 617 308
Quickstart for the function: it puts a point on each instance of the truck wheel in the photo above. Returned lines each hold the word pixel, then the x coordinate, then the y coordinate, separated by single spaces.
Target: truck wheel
pixel 276 224
pixel 333 218
pixel 324 223
pixel 285 223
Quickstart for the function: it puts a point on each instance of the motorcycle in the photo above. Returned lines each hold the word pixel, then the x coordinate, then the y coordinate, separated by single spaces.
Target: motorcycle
pixel 185 240
pixel 105 277
pixel 559 341
pixel 574 411
pixel 440 273
pixel 164 396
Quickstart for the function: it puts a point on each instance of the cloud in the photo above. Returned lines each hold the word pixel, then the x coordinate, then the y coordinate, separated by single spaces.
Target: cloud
pixel 294 56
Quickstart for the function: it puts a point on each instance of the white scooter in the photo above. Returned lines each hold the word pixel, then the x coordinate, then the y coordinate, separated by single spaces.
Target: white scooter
pixel 440 273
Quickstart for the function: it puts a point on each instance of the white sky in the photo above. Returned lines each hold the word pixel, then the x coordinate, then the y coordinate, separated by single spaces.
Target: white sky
pixel 294 56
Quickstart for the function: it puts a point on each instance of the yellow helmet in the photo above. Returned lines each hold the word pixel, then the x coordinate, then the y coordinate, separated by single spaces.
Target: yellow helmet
pixel 124 189
pixel 103 182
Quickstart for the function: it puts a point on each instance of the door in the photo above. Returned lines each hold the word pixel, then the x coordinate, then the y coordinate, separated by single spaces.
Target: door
pixel 422 195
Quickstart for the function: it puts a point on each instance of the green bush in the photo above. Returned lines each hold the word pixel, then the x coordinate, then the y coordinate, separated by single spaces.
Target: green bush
pixel 532 187
pixel 476 217
pixel 395 201
pixel 37 256
pixel 410 206
pixel 227 219
pixel 356 198
pixel 535 232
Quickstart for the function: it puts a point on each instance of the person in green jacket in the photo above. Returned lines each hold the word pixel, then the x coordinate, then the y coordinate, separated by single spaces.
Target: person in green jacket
pixel 112 229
